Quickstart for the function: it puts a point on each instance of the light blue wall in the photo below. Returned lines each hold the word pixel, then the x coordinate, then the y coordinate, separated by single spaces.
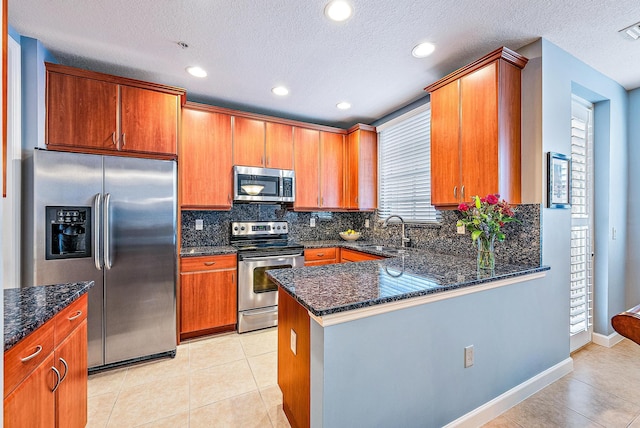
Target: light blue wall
pixel 633 240
pixel 406 368
pixel 34 55
pixel 560 75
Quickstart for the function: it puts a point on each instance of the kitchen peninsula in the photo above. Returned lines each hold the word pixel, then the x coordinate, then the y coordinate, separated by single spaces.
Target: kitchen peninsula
pixel 45 334
pixel 381 343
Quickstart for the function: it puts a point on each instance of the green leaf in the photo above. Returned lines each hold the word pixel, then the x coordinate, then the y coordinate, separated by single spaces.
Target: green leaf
pixel 477 201
pixel 476 234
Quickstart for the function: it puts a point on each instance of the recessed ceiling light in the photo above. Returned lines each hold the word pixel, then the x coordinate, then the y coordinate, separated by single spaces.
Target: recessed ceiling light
pixel 343 105
pixel 196 71
pixel 338 10
pixel 280 90
pixel 423 50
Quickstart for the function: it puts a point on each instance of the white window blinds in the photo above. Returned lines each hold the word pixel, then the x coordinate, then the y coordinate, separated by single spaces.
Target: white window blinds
pixel 404 160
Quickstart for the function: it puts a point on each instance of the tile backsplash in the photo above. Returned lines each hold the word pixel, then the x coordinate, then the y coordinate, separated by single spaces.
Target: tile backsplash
pixel 522 245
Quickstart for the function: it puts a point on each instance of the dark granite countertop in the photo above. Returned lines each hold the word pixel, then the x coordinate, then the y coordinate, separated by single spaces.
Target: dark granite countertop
pixel 330 289
pixel 207 251
pixel 26 309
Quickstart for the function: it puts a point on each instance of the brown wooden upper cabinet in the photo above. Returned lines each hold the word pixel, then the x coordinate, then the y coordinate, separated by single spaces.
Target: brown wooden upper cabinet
pixel 205 159
pixel 475 130
pixel 361 172
pixel 262 144
pixel 97 113
pixel 319 165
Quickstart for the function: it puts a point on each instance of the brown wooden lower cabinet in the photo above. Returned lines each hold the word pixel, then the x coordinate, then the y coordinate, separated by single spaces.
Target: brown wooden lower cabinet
pixel 356 256
pixel 208 295
pixel 294 366
pixel 34 395
pixel 321 256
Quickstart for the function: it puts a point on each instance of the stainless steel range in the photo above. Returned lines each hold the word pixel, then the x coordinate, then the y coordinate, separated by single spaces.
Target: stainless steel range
pixel 262 246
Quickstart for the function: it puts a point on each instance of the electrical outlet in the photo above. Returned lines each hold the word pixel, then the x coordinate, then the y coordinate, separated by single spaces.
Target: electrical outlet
pixel 294 342
pixel 366 223
pixel 468 356
pixel 613 233
pixel 312 222
pixel 199 224
pixel 461 230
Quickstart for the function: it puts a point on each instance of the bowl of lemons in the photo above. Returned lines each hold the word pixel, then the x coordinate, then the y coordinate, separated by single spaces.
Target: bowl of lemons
pixel 350 235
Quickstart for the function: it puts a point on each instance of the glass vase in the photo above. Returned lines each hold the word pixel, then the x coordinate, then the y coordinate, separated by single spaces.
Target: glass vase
pixel 486 254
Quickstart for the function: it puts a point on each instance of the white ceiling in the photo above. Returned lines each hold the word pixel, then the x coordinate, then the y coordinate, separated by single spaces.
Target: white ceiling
pixel 250 46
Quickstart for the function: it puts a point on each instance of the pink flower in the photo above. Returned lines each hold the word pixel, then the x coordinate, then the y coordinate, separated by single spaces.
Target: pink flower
pixel 463 207
pixel 492 199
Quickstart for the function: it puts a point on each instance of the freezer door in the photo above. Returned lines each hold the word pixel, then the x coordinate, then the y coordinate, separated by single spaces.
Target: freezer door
pixel 65 179
pixel 140 257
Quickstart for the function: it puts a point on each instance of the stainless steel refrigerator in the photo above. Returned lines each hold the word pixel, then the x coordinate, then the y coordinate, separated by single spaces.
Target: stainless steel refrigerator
pixel 111 220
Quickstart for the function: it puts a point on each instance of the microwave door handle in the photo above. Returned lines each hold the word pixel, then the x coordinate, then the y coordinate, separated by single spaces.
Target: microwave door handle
pixel 107 231
pixel 97 206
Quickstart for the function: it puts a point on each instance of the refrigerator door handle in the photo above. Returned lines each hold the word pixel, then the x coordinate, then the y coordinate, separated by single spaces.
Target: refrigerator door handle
pixel 97 202
pixel 107 231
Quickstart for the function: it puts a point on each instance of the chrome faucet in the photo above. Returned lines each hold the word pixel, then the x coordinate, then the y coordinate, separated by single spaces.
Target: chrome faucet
pixel 405 240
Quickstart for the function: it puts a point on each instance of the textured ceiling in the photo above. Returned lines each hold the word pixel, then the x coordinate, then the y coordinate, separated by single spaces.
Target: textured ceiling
pixel 250 46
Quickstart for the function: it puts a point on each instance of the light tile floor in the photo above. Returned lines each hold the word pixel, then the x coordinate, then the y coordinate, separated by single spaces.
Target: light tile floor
pixel 602 391
pixel 231 381
pixel 223 381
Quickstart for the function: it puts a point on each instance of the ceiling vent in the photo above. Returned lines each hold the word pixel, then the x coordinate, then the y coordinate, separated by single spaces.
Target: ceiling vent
pixel 632 32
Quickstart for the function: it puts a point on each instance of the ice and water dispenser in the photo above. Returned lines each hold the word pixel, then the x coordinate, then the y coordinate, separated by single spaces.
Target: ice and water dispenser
pixel 68 232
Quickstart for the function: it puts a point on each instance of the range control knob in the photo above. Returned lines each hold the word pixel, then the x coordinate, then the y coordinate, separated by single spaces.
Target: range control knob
pixel 235 228
pixel 242 228
pixel 278 227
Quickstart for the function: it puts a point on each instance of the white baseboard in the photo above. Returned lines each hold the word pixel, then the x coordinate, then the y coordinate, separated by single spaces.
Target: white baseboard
pixel 608 341
pixel 515 395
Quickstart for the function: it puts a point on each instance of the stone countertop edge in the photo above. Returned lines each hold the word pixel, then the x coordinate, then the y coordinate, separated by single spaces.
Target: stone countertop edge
pixel 28 308
pixel 359 275
pixel 207 251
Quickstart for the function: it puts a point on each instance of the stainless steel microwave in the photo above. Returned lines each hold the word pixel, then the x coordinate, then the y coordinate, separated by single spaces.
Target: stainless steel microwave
pixel 263 185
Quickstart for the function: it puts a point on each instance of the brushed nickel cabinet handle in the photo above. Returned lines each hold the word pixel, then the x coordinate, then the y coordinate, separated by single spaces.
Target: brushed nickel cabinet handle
pixel 320 254
pixel 261 160
pixel 455 192
pixel 113 138
pixel 463 193
pixel 209 263
pixel 66 369
pixel 76 316
pixel 124 140
pixel 55 370
pixel 32 356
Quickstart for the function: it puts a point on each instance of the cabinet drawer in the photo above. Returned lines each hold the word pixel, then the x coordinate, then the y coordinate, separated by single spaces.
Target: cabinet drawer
pixel 26 355
pixel 357 256
pixel 320 254
pixel 198 264
pixel 69 318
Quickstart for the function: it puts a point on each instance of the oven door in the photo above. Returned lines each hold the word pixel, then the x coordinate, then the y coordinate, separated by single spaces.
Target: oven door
pixel 257 293
pixel 255 288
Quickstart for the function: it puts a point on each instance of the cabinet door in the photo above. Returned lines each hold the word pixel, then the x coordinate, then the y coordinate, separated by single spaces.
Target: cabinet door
pixel 307 167
pixel 361 173
pixel 71 396
pixel 81 112
pixel 445 145
pixel 248 142
pixel 208 300
pixel 279 146
pixel 356 256
pixel 205 160
pixel 479 99
pixel 148 121
pixel 32 404
pixel 331 170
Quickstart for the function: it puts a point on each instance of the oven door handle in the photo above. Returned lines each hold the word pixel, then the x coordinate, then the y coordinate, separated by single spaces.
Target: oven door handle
pixel 272 258
pixel 264 312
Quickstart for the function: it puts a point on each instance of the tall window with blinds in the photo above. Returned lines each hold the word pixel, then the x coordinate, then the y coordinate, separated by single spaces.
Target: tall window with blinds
pixel 581 222
pixel 405 167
